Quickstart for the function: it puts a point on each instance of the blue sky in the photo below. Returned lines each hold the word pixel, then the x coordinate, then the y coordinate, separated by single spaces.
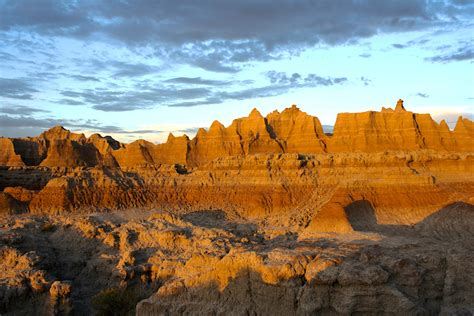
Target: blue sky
pixel 142 69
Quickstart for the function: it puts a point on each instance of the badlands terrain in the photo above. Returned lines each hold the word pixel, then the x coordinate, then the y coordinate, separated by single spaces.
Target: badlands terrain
pixel 268 216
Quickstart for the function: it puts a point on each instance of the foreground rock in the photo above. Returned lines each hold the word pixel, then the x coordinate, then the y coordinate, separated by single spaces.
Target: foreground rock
pixel 207 263
pixel 266 216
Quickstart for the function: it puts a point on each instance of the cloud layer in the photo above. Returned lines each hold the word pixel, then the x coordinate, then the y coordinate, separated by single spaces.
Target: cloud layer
pixel 110 57
pixel 220 35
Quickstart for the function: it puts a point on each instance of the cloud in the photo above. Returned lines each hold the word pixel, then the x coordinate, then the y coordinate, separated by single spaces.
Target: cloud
pixel 365 55
pixel 329 129
pixel 365 81
pixel 25 125
pixel 399 46
pixel 190 130
pixel 142 97
pixel 451 117
pixel 461 54
pixel 21 125
pixel 191 22
pixel 132 70
pixel 197 81
pixel 146 95
pixel 22 121
pixel 72 102
pixel 419 41
pixel 422 95
pixel 282 78
pixel 462 2
pixel 414 42
pixel 221 36
pixel 20 110
pixel 17 122
pixel 84 78
pixel 16 88
pixel 207 101
pixel 253 93
pixel 296 79
pixel 280 83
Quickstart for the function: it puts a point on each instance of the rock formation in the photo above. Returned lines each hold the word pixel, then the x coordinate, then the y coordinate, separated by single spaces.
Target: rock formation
pixel 8 156
pixel 266 216
pixel 297 131
pixel 291 131
pixel 208 263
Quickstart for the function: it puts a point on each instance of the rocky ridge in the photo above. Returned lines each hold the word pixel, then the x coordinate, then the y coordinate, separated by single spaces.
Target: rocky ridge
pixel 376 217
pixel 291 131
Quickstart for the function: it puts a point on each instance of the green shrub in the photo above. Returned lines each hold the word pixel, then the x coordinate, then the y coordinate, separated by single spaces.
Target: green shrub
pixel 115 301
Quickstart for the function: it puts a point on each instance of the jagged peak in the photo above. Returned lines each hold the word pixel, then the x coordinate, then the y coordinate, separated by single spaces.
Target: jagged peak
pixel 292 108
pixel 443 125
pixel 460 123
pixel 386 110
pixel 255 113
pixel 141 143
pixel 56 129
pixel 399 107
pixel 216 125
pixel 172 138
pixel 275 112
pixel 95 135
pixel 59 132
pixel 201 132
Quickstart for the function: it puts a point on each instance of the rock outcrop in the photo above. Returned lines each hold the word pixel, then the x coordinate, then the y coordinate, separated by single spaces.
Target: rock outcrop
pixel 258 167
pixel 174 151
pixel 9 205
pixel 8 156
pixel 397 130
pixel 297 131
pixel 291 131
pixel 245 136
pixel 266 216
pixel 207 263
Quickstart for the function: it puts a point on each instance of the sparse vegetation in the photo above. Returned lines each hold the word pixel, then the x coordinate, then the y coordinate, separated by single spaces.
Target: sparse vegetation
pixel 115 301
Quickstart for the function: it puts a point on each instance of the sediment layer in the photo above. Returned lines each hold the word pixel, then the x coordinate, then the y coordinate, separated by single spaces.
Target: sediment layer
pixel 266 216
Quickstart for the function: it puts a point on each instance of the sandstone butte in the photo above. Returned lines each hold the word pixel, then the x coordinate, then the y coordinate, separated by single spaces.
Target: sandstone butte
pixel 291 131
pixel 268 215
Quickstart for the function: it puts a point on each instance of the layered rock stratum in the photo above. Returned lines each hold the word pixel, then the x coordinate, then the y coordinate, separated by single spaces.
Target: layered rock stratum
pixel 266 216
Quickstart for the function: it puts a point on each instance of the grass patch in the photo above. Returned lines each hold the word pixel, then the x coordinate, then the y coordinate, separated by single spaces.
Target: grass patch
pixel 115 301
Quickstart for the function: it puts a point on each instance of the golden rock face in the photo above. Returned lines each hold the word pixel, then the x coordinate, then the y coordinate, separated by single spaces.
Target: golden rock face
pixel 256 166
pixel 291 131
pixel 266 216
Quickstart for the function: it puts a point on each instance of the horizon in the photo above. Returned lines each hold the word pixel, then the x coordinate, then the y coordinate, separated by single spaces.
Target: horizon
pixel 328 129
pixel 143 70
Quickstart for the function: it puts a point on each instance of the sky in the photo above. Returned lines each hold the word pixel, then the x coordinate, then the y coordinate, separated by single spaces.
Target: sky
pixel 143 69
